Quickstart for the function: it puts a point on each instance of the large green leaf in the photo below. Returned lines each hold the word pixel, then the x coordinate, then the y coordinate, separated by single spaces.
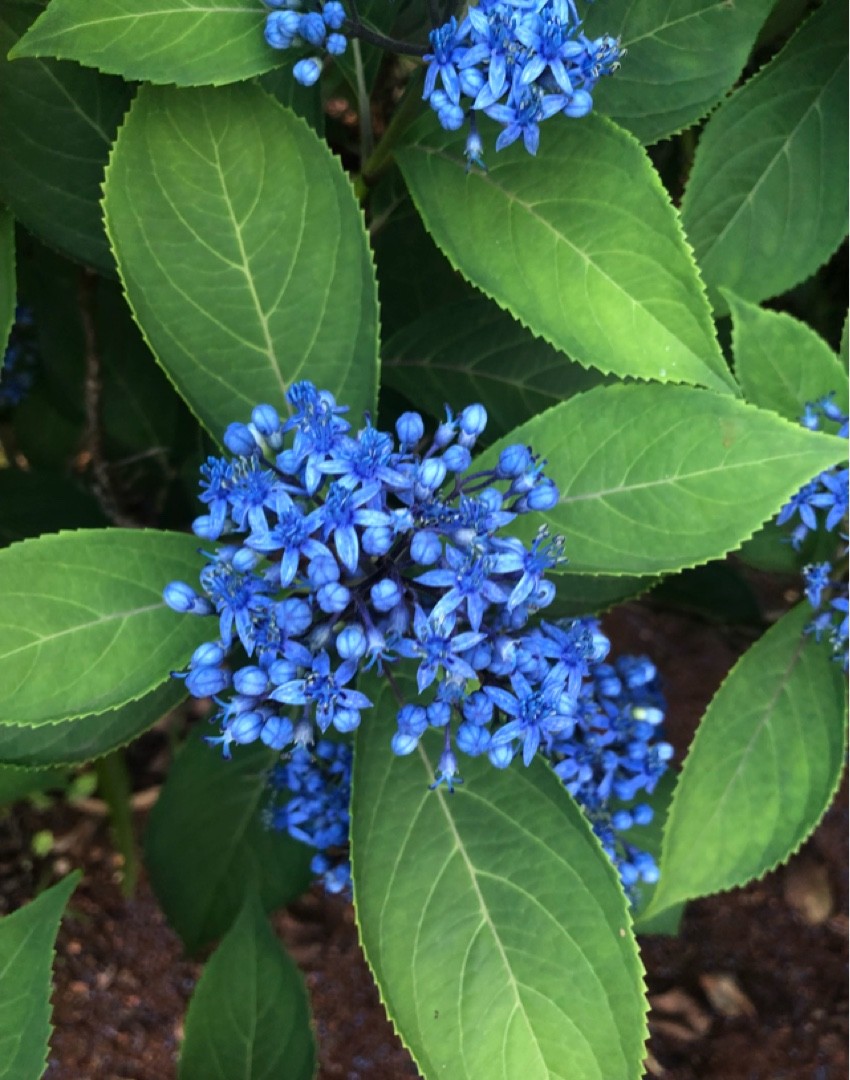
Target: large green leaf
pixel 780 362
pixel 581 244
pixel 766 202
pixel 658 478
pixel 7 275
pixel 414 276
pixel 207 844
pixel 41 502
pixel 185 42
pixel 71 742
pixel 27 937
pixel 589 594
pixel 56 127
pixel 249 1016
pixel 680 59
pixel 84 628
pixel 762 769
pixel 494 925
pixel 242 251
pixel 474 351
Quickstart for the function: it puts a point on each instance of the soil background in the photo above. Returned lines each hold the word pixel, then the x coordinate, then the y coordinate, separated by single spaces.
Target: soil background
pixel 754 988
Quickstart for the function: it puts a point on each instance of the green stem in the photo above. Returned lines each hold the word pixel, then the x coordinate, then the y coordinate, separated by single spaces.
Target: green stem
pixel 364 105
pixel 408 109
pixel 113 784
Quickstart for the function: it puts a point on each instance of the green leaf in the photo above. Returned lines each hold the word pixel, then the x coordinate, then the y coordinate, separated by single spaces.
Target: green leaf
pixel 680 59
pixel 474 351
pixel 655 479
pixel 249 1016
pixel 414 276
pixel 184 42
pixel 780 362
pixel 7 275
pixel 27 938
pixel 762 769
pixel 844 346
pixel 766 202
pixel 242 251
pixel 71 742
pixel 580 243
pixel 84 627
pixel 305 101
pixel 40 502
pixel 16 783
pixel 494 925
pixel 206 843
pixel 56 127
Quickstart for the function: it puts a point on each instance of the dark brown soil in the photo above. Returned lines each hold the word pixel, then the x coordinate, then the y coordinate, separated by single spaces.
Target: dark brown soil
pixel 754 988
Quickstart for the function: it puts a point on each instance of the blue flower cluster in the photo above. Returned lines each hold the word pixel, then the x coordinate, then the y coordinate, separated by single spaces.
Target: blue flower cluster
pixel 290 27
pixel 824 500
pixel 519 62
pixel 613 756
pixel 346 553
pixel 19 362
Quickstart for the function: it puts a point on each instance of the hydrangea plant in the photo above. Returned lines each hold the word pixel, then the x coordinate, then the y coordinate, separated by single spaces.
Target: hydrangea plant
pixel 454 387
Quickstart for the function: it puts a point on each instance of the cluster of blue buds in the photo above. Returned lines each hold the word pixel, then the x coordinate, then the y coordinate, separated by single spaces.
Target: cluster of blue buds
pixel 318 786
pixel 19 362
pixel 824 500
pixel 288 27
pixel 519 62
pixel 614 756
pixel 346 553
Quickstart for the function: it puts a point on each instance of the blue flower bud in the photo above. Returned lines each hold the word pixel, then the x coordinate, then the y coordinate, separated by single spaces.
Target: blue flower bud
pixel 282 671
pixel 543 496
pixel 385 595
pixel 514 460
pixel 622 820
pixel 252 681
pixel 432 473
pixel 579 104
pixel 334 15
pixel 403 744
pixel 472 739
pixel 239 440
pixel 473 420
pixel 377 539
pixel 266 420
pixel 457 458
pixel 246 728
pixel 425 547
pixel 307 72
pixel 336 44
pixel 501 756
pixel 333 598
pixel 182 598
pixel 277 732
pixel 206 527
pixel 244 560
pixel 295 615
pixel 210 654
pixel 412 719
pixel 451 117
pixel 207 681
pixel 409 428
pixel 439 713
pixel 478 708
pixel 323 570
pixel 648 713
pixel 346 720
pixel 351 642
pixel 628 874
pixel 471 81
pixel 643 814
pixel 312 29
pixel 280 31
